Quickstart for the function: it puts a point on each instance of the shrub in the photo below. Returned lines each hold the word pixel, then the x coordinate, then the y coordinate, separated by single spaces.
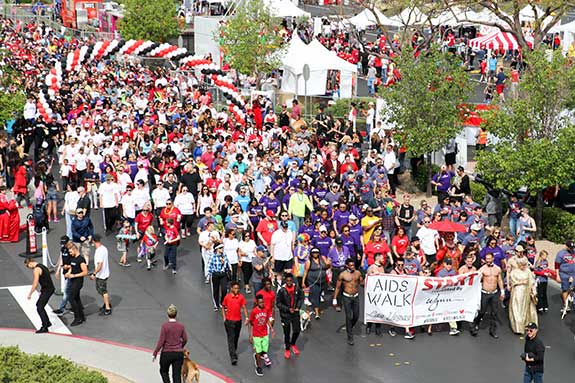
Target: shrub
pixel 422 179
pixel 557 225
pixel 478 191
pixel 19 367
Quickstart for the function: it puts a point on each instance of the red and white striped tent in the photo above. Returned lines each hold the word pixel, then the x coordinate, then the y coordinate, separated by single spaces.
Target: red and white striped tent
pixel 495 40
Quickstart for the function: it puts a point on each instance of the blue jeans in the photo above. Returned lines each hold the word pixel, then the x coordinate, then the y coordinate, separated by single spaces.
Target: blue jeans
pixel 535 377
pixel 64 295
pixel 371 86
pixel 170 255
pixel 513 226
pixel 68 225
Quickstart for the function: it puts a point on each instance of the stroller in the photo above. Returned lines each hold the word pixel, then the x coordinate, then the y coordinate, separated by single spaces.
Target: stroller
pixel 40 216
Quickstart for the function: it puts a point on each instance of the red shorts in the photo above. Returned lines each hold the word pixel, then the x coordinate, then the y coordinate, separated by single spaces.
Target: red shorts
pixel 499 88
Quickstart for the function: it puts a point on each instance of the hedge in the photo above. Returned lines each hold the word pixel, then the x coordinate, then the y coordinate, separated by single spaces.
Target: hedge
pixel 557 225
pixel 19 367
pixel 478 191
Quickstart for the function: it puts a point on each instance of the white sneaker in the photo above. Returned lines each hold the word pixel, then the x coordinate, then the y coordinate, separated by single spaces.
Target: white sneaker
pixel 454 332
pixel 307 302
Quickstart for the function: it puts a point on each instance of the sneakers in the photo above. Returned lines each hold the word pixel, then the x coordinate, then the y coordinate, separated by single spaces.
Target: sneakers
pixel 409 335
pixel 392 332
pixel 207 280
pixel 248 290
pixel 453 332
pixel 139 260
pixel 294 349
pixel 105 313
pixel 350 340
pixel 166 267
pixel 259 371
pixel 58 312
pixel 267 360
pixel 42 330
pixel 174 272
pixel 76 323
pixel 287 354
pixel 307 302
pixel 255 360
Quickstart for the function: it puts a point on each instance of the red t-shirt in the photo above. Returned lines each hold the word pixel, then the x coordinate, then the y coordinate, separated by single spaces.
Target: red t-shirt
pixel 269 299
pixel 144 221
pixel 400 243
pixel 172 233
pixel 173 213
pixel 233 305
pixel 266 228
pixel 259 320
pixel 371 248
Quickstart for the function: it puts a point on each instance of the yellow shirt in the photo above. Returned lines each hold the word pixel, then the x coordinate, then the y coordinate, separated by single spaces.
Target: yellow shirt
pixel 368 221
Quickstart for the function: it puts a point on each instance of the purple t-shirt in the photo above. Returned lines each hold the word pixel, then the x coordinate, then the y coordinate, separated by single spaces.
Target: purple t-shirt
pixel 444 180
pixel 444 273
pixel 338 256
pixel 341 218
pixel 323 244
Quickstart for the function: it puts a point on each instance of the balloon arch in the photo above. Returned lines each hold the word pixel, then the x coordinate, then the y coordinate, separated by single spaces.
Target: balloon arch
pixel 105 49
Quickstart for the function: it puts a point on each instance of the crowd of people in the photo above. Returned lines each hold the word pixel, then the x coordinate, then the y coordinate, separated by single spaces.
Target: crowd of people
pixel 294 217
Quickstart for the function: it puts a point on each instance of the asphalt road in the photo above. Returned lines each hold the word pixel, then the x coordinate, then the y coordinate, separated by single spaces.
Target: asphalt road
pixel 140 298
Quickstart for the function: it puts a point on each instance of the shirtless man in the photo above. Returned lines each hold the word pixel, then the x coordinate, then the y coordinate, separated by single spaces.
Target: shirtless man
pixel 351 279
pixel 468 266
pixel 376 269
pixel 491 281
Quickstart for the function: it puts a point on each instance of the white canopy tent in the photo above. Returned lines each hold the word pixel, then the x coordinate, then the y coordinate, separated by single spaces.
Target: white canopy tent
pixel 320 60
pixel 285 8
pixel 568 34
pixel 367 18
pixel 410 16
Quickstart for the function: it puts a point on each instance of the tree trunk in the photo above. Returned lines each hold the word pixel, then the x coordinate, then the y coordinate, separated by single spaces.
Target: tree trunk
pixel 539 214
pixel 429 175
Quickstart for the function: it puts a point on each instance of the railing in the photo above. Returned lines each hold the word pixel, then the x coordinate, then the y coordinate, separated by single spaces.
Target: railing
pixel 24 14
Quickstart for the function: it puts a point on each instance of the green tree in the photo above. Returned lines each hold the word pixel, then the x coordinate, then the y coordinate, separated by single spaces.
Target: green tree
pixel 149 20
pixel 250 41
pixel 423 105
pixel 535 131
pixel 12 98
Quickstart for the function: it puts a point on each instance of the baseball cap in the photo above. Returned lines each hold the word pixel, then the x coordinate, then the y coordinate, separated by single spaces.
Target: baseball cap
pixel 338 241
pixel 570 244
pixel 322 228
pixel 519 248
pixel 270 213
pixel 323 202
pixel 475 227
pixel 261 248
pixel 314 250
pixel 220 246
pixel 532 326
pixel 414 238
pixel 352 217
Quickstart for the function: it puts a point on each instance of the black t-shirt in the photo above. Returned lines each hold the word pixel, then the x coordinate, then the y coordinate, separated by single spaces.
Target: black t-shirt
pixel 76 263
pixel 191 181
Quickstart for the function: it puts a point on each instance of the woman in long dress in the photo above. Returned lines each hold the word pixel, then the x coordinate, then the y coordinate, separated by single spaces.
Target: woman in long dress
pixel 522 307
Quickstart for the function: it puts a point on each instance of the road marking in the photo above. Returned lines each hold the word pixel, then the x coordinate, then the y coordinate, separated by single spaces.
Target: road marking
pixel 20 293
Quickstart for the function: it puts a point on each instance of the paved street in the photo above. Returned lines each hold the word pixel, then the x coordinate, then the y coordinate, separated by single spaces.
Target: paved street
pixel 140 298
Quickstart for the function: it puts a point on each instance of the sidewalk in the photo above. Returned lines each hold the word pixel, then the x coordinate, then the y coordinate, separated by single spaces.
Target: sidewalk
pixel 130 362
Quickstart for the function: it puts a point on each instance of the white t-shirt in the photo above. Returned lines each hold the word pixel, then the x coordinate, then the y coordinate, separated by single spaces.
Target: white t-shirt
pixel 160 196
pixel 129 204
pixel 101 255
pixel 185 203
pixel 231 250
pixel 281 242
pixel 248 250
pixel 427 238
pixel 107 192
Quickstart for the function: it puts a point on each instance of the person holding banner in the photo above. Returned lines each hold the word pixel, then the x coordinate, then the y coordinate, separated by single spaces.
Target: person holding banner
pixel 491 284
pixel 349 280
pixel 399 270
pixel 378 268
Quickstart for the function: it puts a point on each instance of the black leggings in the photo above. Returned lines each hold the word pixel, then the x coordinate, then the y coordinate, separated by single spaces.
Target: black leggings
pixel 40 306
pixel 542 295
pixel 246 272
pixel 174 359
pixel 291 326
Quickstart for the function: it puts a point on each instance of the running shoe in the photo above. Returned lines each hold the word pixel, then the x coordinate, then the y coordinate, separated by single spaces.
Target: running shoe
pixel 294 349
pixel 287 354
pixel 259 371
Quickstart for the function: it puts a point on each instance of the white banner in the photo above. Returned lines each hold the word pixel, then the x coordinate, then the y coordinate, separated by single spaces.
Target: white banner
pixel 408 301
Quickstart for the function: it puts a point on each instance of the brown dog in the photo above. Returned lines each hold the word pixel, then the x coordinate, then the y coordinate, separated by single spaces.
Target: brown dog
pixel 190 370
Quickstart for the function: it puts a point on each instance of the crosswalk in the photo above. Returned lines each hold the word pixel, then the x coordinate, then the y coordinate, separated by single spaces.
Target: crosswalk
pixel 28 306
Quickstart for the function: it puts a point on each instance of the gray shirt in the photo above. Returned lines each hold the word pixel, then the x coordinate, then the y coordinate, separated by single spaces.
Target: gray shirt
pixel 257 276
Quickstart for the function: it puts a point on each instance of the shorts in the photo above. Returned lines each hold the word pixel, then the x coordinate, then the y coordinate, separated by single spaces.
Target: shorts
pixel 499 88
pixel 52 195
pixel 281 266
pixel 565 284
pixel 84 248
pixel 261 344
pixel 102 286
pixel 450 159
